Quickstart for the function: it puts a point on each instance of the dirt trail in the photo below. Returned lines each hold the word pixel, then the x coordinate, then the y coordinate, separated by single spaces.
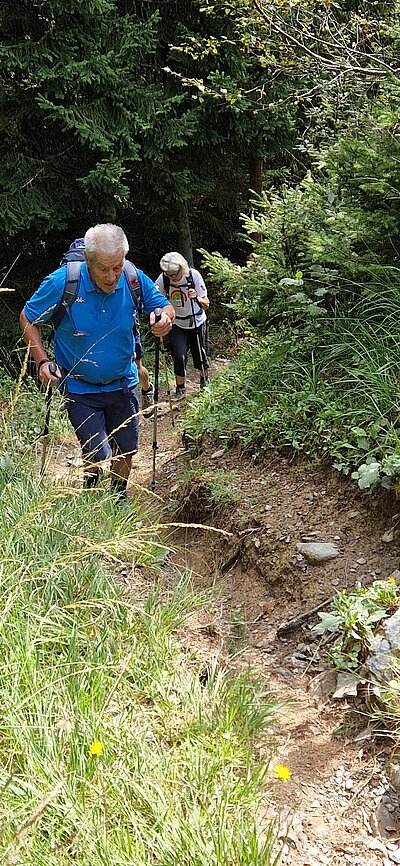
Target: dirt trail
pixel 339 807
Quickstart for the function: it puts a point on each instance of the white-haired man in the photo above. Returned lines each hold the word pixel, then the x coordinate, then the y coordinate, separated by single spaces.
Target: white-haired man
pixel 94 350
pixel 187 293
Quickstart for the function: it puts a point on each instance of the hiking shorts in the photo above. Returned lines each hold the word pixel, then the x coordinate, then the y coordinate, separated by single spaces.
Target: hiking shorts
pixel 106 423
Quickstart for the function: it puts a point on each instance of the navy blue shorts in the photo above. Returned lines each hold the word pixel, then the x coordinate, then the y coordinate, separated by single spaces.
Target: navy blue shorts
pixel 106 423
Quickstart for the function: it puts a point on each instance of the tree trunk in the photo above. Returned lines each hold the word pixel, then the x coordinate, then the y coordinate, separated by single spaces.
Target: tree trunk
pixel 256 178
pixel 184 236
pixel 256 173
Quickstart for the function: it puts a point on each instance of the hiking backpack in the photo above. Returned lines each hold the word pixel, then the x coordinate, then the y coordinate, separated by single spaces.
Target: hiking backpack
pixel 73 258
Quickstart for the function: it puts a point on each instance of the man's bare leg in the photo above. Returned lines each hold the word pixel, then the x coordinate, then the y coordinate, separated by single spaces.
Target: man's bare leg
pixel 120 469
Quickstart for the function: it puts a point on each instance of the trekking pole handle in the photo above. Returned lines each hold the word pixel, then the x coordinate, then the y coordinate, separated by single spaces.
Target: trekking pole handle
pixel 158 314
pixel 52 371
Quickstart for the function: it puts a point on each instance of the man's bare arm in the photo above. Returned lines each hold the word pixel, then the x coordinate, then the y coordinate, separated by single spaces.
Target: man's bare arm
pixel 33 339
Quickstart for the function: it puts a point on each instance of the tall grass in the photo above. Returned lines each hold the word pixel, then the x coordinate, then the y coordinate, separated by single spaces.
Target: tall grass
pixel 86 660
pixel 330 389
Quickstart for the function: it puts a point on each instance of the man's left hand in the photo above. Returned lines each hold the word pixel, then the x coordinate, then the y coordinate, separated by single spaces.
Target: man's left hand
pixel 162 327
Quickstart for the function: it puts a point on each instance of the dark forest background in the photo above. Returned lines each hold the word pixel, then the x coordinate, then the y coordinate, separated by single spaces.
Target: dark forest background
pixel 262 141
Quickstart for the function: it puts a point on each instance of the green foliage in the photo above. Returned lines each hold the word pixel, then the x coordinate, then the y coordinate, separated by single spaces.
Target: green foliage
pixel 113 747
pixel 341 218
pixel 328 389
pixel 221 487
pixel 69 99
pixel 114 750
pixel 88 113
pixel 316 246
pixel 22 414
pixel 355 617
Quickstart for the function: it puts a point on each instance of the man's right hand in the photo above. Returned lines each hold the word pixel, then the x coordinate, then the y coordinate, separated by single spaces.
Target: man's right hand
pixel 163 326
pixel 47 376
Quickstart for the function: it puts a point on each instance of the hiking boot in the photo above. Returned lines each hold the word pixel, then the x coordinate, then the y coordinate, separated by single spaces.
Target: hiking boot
pixel 148 401
pixel 204 381
pixel 118 488
pixel 91 478
pixel 180 393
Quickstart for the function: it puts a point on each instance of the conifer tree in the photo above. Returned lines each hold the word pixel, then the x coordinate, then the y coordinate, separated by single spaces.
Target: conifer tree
pixel 73 106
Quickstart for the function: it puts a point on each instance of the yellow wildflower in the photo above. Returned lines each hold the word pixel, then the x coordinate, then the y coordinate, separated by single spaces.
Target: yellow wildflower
pixel 96 748
pixel 283 773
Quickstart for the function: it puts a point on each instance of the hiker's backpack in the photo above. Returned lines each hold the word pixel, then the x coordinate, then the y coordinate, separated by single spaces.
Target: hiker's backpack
pixel 73 258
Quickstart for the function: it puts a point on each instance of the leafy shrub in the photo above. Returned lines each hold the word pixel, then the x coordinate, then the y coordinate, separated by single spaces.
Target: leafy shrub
pixel 328 389
pixel 355 615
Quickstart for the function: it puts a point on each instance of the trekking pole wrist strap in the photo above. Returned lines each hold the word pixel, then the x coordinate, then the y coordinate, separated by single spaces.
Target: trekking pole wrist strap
pixel 40 364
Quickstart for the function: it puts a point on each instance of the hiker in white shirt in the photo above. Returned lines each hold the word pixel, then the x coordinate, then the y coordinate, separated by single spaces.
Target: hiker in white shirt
pixel 187 293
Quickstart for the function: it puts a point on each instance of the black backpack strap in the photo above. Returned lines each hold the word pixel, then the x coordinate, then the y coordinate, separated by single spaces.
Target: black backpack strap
pixel 166 284
pixel 135 287
pixel 70 292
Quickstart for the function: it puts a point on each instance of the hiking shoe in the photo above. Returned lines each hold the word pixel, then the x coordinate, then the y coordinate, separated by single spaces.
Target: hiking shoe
pixel 91 478
pixel 180 393
pixel 148 401
pixel 204 381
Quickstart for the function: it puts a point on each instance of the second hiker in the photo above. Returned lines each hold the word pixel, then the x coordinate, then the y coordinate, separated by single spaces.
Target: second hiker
pixel 187 293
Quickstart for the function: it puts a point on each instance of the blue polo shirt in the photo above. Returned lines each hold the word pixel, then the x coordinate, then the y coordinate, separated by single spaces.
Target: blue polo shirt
pixel 94 340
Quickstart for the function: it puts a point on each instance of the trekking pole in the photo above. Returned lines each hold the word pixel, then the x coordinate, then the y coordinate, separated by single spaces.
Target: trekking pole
pixel 152 485
pixel 46 427
pixel 167 381
pixel 203 370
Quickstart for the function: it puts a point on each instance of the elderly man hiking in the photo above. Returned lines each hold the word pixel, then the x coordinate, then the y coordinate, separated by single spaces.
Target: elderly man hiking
pixel 94 348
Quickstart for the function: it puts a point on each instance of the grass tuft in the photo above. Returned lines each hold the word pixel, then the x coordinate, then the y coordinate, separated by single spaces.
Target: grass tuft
pixel 112 749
